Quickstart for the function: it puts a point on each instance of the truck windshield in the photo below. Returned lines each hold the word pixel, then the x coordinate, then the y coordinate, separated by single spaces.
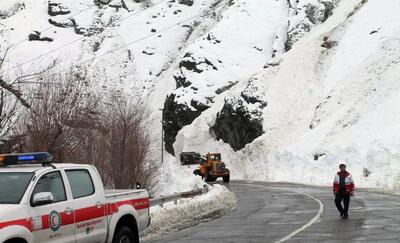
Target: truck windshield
pixel 13 186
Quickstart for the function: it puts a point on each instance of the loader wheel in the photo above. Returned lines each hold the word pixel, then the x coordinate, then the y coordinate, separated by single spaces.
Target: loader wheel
pixel 208 177
pixel 226 178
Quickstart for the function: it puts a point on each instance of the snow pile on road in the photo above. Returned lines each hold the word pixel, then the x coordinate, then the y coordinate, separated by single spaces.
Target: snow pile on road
pixel 191 211
pixel 176 178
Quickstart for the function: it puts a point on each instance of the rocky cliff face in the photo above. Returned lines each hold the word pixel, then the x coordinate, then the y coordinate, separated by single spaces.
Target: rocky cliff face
pixel 176 116
pixel 236 125
pixel 232 52
pixel 240 120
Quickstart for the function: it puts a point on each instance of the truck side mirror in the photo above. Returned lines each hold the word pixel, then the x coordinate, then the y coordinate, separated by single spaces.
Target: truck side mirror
pixel 42 198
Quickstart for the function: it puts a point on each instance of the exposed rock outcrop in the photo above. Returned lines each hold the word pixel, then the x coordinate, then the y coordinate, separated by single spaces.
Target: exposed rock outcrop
pixel 314 14
pixel 191 64
pixel 240 120
pixel 186 2
pixel 55 9
pixel 225 88
pixel 6 13
pixel 67 24
pixel 237 125
pixel 96 28
pixel 176 116
pixel 36 36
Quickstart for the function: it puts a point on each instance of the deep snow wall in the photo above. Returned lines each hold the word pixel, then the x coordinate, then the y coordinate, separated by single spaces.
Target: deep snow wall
pixel 331 99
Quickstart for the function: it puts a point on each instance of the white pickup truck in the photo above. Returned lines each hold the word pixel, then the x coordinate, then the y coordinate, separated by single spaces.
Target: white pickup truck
pixel 43 202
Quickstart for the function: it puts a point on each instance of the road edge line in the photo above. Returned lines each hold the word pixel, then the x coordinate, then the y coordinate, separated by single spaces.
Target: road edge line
pixel 311 222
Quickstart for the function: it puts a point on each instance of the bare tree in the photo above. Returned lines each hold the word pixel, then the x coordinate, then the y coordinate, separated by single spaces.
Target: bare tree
pixel 58 112
pixel 12 101
pixel 9 112
pixel 14 85
pixel 128 143
pixel 76 124
pixel 59 117
pixel 8 105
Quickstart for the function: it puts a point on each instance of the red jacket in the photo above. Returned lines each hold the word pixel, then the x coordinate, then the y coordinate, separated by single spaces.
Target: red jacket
pixel 348 181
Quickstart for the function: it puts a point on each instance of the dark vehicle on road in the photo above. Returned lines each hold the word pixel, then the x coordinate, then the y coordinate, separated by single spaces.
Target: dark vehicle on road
pixel 191 158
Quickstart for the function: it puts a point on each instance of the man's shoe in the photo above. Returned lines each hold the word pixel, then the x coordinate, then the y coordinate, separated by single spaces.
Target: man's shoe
pixel 341 215
pixel 346 216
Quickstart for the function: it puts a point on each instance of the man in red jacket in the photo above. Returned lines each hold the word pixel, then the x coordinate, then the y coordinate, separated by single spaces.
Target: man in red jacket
pixel 343 188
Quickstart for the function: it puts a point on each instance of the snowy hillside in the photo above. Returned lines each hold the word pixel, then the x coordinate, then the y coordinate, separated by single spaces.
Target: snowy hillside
pixel 284 89
pixel 334 97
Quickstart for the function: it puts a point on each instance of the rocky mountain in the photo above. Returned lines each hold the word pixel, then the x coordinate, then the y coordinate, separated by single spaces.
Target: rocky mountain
pixel 285 89
pixel 331 98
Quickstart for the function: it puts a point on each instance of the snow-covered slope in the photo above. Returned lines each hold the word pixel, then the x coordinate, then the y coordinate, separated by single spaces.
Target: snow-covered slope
pixel 285 89
pixel 334 97
pixel 131 42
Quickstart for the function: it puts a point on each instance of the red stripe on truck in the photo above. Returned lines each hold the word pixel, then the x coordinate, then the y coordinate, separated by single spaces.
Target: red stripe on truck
pixel 111 208
pixel 81 215
pixel 19 222
pixel 89 213
pixel 138 204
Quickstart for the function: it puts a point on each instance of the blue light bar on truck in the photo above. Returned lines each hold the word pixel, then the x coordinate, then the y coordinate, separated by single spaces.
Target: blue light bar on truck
pixel 26 157
pixel 43 158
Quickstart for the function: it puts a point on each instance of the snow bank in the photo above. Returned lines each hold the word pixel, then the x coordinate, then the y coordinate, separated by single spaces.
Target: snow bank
pixel 176 178
pixel 190 211
pixel 339 104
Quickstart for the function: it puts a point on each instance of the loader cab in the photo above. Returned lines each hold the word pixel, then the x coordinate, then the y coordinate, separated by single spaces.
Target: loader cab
pixel 213 157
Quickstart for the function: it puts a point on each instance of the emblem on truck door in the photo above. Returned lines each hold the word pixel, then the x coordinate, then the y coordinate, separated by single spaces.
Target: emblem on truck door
pixel 54 220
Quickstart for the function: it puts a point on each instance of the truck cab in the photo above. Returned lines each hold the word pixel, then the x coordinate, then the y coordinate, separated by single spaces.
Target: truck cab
pixel 44 202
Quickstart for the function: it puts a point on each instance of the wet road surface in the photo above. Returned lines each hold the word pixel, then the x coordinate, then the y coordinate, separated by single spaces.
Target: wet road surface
pixel 279 212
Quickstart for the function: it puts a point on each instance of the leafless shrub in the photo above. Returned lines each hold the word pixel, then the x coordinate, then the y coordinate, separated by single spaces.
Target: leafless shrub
pixel 60 113
pixel 58 117
pixel 9 112
pixel 12 100
pixel 76 124
pixel 127 142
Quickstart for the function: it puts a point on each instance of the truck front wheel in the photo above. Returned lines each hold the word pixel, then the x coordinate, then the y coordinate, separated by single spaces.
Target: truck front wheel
pixel 124 235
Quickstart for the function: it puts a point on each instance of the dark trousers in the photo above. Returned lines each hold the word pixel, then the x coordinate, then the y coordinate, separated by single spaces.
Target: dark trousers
pixel 346 201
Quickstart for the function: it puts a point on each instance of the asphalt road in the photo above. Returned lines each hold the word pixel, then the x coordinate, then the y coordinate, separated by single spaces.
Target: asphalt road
pixel 276 212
